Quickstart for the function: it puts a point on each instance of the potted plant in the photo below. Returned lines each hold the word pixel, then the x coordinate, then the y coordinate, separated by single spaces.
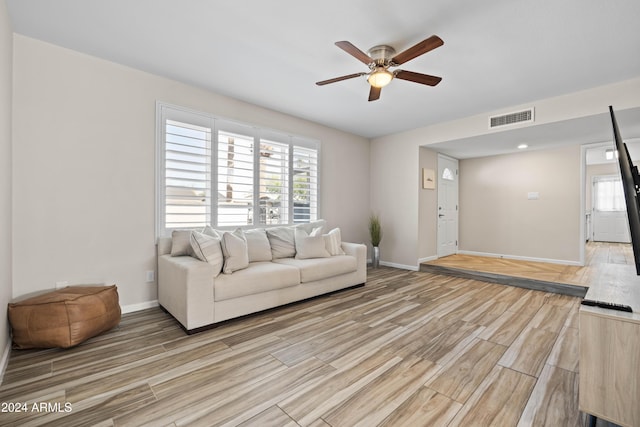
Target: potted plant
pixel 375 232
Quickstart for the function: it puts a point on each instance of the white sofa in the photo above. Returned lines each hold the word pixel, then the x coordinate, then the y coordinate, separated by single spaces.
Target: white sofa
pixel 199 295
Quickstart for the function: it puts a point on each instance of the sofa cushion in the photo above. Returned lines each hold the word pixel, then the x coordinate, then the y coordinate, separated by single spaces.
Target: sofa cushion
pixel 236 253
pixel 310 245
pixel 258 277
pixel 321 268
pixel 282 242
pixel 208 249
pixel 258 245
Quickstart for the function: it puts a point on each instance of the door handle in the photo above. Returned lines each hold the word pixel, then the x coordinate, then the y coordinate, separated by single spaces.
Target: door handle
pixel 440 215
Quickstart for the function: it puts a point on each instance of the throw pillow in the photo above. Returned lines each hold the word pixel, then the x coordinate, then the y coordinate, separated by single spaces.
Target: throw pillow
pixel 181 242
pixel 310 226
pixel 282 241
pixel 258 245
pixel 236 253
pixel 310 245
pixel 210 231
pixel 207 248
pixel 333 242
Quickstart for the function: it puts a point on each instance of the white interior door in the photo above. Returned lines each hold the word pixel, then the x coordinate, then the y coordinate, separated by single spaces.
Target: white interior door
pixel 609 219
pixel 447 206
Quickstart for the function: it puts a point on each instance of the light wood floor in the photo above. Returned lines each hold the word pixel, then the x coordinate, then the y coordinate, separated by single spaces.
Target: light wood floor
pixel 408 349
pixel 603 261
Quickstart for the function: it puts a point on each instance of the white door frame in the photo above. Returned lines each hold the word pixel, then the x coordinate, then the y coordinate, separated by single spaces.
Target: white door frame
pixel 583 196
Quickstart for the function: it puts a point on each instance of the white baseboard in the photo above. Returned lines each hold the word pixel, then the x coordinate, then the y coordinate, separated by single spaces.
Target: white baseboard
pixel 427 259
pixel 137 307
pixel 402 266
pixel 5 358
pixel 522 258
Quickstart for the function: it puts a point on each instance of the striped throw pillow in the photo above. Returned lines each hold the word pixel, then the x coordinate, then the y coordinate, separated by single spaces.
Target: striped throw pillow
pixel 333 242
pixel 207 248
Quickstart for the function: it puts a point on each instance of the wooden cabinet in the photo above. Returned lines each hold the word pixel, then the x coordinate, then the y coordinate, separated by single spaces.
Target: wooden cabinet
pixel 610 354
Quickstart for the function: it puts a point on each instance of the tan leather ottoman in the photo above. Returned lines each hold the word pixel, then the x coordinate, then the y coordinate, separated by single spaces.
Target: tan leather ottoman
pixel 65 317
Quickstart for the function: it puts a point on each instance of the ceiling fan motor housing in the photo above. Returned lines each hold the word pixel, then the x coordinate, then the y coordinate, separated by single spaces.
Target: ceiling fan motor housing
pixel 382 54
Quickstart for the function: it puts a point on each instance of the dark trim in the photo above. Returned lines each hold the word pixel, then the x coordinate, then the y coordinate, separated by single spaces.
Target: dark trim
pixel 266 310
pixel 521 282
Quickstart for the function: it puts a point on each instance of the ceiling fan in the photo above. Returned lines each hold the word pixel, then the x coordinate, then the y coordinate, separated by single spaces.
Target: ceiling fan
pixel 381 58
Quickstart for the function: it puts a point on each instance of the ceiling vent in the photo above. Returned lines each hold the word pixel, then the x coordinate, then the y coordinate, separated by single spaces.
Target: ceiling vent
pixel 511 118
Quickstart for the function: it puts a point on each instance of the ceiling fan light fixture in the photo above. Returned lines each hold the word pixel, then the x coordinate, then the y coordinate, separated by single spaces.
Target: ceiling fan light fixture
pixel 380 77
pixel 382 57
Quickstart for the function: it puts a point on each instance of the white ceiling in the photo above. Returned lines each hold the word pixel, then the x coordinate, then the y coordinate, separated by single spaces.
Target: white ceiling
pixel 496 53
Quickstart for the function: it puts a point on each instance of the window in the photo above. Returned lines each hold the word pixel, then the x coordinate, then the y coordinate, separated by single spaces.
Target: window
pixel 226 174
pixel 274 182
pixel 305 184
pixel 235 178
pixel 187 184
pixel 608 194
pixel 448 174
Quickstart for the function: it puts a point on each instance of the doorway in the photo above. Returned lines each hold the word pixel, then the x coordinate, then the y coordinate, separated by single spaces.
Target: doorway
pixel 447 235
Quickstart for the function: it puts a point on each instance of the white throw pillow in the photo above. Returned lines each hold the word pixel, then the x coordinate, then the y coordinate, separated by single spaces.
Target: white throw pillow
pixel 208 249
pixel 236 253
pixel 181 242
pixel 310 226
pixel 282 241
pixel 258 245
pixel 310 245
pixel 333 242
pixel 210 231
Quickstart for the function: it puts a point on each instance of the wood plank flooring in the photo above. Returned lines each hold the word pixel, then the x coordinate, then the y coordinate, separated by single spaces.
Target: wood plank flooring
pixel 603 262
pixel 408 349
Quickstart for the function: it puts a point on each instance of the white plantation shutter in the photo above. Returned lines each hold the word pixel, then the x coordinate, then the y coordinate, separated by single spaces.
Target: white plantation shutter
pixel 305 184
pixel 235 178
pixel 221 173
pixel 186 183
pixel 273 191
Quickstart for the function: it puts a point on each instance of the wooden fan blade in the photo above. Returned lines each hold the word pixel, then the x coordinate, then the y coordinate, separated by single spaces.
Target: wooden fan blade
pixel 339 79
pixel 374 93
pixel 355 52
pixel 419 49
pixel 424 79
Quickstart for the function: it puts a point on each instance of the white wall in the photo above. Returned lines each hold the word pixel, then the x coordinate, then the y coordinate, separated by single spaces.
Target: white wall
pixel 394 198
pixel 6 66
pixel 395 170
pixel 83 179
pixel 497 217
pixel 427 208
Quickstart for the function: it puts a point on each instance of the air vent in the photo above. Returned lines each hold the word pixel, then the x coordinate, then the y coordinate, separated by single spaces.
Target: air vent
pixel 511 118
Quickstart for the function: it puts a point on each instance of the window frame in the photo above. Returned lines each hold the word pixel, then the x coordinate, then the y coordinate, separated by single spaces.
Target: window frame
pixel 166 111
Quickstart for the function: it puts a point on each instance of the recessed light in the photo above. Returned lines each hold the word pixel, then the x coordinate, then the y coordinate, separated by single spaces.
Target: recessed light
pixel 522 146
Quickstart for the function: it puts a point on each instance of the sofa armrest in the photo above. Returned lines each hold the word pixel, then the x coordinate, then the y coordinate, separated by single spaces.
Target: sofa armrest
pixel 359 251
pixel 185 289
